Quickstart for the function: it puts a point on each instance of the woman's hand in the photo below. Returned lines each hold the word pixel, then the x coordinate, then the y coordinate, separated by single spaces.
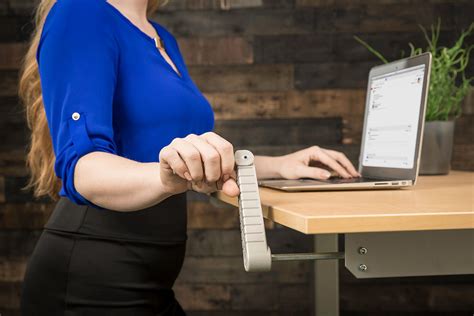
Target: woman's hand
pixel 307 163
pixel 202 163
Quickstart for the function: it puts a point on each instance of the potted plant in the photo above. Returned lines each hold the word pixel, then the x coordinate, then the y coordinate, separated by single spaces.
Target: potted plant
pixel 448 87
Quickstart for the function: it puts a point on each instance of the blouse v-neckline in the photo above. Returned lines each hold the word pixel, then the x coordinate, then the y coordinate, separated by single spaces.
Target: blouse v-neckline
pixel 179 73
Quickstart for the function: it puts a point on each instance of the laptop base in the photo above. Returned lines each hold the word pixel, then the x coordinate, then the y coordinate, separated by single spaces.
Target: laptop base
pixel 306 184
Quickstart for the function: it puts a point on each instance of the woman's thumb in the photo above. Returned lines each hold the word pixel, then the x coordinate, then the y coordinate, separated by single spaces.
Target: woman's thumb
pixel 230 187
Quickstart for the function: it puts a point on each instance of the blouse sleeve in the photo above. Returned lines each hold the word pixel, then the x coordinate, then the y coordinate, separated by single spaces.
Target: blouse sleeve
pixel 78 58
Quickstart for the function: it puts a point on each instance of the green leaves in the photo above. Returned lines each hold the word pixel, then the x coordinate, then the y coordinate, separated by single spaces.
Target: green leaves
pixel 448 82
pixel 371 49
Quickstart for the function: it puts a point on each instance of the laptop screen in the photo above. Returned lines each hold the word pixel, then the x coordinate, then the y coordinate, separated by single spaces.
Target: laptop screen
pixel 392 118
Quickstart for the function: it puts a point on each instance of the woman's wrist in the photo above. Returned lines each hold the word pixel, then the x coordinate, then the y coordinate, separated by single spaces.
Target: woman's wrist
pixel 268 166
pixel 162 191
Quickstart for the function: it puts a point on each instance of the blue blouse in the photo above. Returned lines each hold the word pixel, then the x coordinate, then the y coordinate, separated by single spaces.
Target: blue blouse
pixel 107 88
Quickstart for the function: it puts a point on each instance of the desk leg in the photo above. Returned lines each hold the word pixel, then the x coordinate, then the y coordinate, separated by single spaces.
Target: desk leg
pixel 326 277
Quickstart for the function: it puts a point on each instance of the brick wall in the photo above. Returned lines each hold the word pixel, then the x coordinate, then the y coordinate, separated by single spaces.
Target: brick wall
pixel 271 69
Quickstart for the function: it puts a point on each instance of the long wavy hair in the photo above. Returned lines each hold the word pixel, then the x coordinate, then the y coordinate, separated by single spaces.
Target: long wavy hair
pixel 40 157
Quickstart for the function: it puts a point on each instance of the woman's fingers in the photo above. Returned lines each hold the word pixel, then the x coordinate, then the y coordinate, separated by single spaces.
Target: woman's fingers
pixel 191 156
pixel 211 158
pixel 342 159
pixel 208 156
pixel 203 187
pixel 312 172
pixel 171 160
pixel 320 155
pixel 207 159
pixel 225 149
pixel 229 187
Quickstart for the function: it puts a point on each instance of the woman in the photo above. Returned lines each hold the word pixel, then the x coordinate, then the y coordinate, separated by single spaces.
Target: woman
pixel 120 132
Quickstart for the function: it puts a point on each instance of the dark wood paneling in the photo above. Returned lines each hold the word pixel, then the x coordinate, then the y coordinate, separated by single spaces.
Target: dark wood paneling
pixel 190 5
pixel 243 78
pixel 379 17
pixel 13 130
pixel 26 7
pixel 12 162
pixel 12 269
pixel 8 312
pixel 335 47
pixel 246 313
pixel 10 296
pixel 375 17
pixel 348 104
pixel 463 157
pixel 11 55
pixel 19 7
pixel 282 298
pixel 332 75
pixel 17 243
pixel 287 104
pixel 3 7
pixel 278 132
pixel 10 110
pixel 355 3
pixel 410 297
pixel 278 3
pixel 204 297
pixel 204 215
pixel 216 51
pixel 237 22
pixel 29 215
pixel 8 83
pixel 224 270
pixel 14 191
pixel 464 129
pixel 468 106
pixel 15 28
pixel 2 190
pixel 231 5
pixel 226 243
pixel 207 297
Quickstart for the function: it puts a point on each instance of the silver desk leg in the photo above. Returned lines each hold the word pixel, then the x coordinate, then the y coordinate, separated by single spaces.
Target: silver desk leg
pixel 326 277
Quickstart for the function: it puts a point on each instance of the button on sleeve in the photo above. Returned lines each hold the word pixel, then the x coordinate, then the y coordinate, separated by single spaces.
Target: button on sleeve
pixel 76 116
pixel 78 58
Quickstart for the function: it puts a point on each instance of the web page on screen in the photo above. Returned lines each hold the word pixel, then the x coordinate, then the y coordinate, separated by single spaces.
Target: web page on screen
pixel 393 116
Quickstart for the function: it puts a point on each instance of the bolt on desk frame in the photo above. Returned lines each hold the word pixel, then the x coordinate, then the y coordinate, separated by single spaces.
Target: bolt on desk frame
pixel 425 230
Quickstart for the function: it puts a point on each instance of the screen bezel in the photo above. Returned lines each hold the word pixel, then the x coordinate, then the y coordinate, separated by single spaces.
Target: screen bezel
pixel 398 173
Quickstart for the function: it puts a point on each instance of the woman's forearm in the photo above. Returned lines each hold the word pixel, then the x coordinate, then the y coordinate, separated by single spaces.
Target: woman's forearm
pixel 267 167
pixel 118 183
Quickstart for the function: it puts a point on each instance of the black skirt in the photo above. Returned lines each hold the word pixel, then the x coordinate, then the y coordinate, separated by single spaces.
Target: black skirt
pixel 94 261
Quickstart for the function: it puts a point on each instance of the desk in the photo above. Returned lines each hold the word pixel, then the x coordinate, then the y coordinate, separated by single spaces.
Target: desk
pixel 429 226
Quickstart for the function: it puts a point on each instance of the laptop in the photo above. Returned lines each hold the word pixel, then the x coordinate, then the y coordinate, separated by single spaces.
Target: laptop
pixel 392 135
